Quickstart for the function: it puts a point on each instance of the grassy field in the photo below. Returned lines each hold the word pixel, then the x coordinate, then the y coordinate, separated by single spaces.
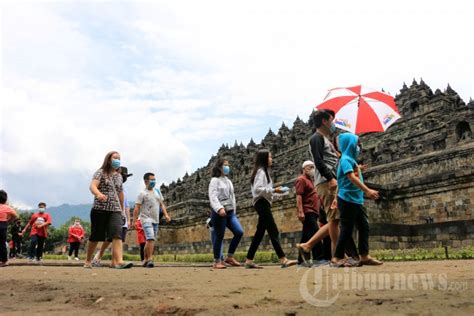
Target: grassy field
pixel 270 257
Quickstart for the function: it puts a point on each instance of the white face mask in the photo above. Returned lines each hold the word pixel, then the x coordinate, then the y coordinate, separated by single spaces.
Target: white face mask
pixel 42 209
pixel 312 173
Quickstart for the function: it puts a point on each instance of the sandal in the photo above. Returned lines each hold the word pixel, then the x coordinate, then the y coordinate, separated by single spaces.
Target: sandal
pixel 288 263
pixel 123 266
pixel 252 266
pixel 87 265
pixel 341 264
pixel 306 256
pixel 371 262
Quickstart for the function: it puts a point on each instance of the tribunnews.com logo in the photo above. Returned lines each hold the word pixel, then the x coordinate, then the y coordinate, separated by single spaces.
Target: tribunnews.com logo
pixel 322 287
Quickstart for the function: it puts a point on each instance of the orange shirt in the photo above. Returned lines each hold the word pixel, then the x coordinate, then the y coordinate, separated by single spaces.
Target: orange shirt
pixel 6 213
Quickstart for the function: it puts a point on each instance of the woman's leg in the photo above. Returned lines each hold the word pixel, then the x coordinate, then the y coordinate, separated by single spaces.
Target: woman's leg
pixel 218 224
pixel 234 225
pixel 71 248
pixel 259 233
pixel 272 230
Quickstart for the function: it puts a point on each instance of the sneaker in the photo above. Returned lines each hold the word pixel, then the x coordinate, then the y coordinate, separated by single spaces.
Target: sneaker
pixel 69 258
pixel 150 264
pixel 77 259
pixel 96 263
pixel 123 266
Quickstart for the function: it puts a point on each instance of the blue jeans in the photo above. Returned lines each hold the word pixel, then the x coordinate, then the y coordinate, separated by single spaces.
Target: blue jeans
pixel 36 247
pixel 213 240
pixel 219 223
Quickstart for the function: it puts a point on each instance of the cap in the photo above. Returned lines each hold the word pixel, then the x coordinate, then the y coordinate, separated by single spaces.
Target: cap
pixel 307 163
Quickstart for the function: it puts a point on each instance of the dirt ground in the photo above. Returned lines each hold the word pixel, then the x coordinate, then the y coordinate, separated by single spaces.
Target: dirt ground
pixel 429 287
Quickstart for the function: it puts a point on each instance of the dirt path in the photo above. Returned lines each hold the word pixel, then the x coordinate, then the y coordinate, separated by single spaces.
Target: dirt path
pixel 436 287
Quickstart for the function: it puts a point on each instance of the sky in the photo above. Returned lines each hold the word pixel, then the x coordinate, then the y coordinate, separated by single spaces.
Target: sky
pixel 165 83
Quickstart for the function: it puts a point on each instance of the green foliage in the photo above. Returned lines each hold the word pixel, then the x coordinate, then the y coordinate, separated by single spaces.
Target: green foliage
pixel 423 254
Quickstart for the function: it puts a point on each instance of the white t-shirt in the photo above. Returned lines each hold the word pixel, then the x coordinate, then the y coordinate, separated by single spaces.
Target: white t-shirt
pixel 149 201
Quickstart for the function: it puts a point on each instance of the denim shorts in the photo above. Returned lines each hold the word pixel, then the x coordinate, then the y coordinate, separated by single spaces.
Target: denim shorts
pixel 151 230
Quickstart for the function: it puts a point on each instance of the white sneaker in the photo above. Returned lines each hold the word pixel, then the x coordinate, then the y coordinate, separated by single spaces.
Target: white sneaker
pixel 69 258
pixel 77 259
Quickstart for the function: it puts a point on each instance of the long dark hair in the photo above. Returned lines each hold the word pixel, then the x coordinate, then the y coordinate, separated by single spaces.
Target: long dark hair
pixel 107 164
pixel 217 169
pixel 260 161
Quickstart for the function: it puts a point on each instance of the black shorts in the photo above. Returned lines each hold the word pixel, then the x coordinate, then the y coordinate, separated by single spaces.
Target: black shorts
pixel 105 225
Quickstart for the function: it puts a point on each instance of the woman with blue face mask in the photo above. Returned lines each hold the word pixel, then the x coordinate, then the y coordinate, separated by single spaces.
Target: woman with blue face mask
pixel 224 207
pixel 106 213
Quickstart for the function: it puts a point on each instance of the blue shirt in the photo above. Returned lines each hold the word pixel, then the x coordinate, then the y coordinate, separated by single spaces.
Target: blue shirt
pixel 347 190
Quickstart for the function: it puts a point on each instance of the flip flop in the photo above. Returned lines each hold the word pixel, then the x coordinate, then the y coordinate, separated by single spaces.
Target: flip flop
pixel 288 263
pixel 252 266
pixel 306 256
pixel 341 264
pixel 371 262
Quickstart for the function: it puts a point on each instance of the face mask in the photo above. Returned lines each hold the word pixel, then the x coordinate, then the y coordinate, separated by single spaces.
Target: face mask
pixel 311 173
pixel 226 170
pixel 333 127
pixel 41 210
pixel 115 163
pixel 357 151
pixel 152 184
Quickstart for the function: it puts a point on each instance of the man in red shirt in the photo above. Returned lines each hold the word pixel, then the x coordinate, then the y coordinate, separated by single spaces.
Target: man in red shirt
pixel 39 223
pixel 75 237
pixel 307 207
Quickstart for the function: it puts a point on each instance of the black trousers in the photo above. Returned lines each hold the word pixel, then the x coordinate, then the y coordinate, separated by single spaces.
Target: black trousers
pixel 265 223
pixel 16 247
pixel 36 247
pixel 352 214
pixel 3 241
pixel 142 251
pixel 74 246
pixel 310 227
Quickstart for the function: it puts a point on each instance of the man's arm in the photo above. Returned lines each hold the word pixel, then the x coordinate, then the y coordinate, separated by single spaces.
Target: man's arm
pixel 165 212
pixel 317 149
pixel 299 208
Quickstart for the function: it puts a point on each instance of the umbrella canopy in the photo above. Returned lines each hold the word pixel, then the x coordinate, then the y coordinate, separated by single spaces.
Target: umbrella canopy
pixel 360 109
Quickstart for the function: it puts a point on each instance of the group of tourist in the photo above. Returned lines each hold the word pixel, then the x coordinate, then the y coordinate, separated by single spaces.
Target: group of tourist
pixel 330 190
pixel 330 194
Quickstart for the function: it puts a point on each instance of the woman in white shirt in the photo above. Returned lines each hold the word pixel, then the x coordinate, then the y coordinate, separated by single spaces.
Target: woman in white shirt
pixel 222 199
pixel 262 193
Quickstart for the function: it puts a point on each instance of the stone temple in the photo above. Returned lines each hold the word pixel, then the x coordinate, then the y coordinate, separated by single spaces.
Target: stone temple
pixel 423 166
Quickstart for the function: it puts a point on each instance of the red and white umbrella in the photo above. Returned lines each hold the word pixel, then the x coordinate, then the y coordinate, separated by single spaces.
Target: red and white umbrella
pixel 360 109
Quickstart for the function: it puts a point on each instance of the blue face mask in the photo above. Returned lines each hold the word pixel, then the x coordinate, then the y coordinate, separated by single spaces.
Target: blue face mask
pixel 226 170
pixel 152 184
pixel 333 127
pixel 357 151
pixel 115 163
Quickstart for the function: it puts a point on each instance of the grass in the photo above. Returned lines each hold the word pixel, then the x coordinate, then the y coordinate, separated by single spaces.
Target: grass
pixel 413 254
